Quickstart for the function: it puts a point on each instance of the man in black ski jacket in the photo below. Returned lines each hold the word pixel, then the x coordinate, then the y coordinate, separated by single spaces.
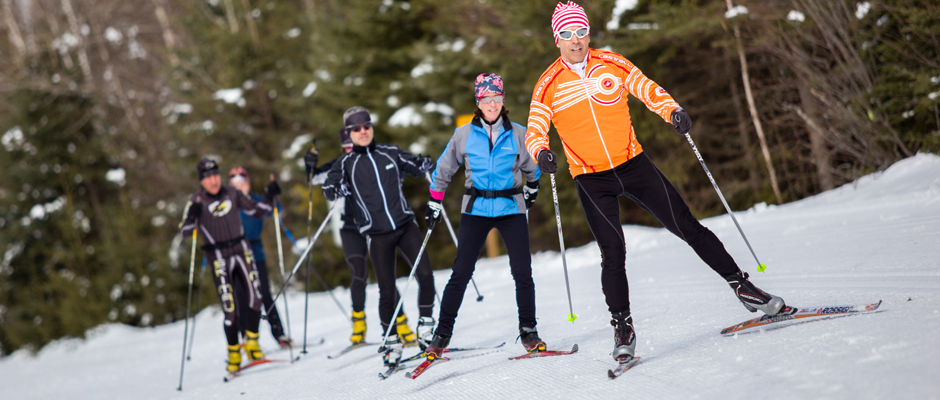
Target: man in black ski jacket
pixel 370 176
pixel 214 211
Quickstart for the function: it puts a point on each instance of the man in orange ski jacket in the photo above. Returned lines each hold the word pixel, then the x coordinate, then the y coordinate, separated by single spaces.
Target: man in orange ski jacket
pixel 584 93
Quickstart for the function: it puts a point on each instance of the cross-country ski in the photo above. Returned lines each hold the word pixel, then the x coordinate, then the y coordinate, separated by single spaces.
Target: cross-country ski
pixel 793 315
pixel 232 375
pixel 546 353
pixel 622 367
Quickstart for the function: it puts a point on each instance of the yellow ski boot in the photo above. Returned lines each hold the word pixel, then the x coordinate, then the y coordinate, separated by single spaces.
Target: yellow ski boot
pixel 251 346
pixel 359 327
pixel 234 359
pixel 408 338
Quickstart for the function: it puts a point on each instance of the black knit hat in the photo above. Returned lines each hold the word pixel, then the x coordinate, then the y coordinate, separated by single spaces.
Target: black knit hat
pixel 206 168
pixel 344 139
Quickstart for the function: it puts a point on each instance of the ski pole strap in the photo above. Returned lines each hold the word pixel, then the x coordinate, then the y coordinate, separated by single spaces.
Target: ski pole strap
pixel 489 194
pixel 222 245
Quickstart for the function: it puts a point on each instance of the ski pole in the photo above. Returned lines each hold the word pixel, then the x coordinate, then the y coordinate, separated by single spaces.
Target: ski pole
pixel 189 299
pixel 280 262
pixel 302 257
pixel 192 336
pixel 561 243
pixel 453 236
pixel 307 275
pixel 760 267
pixel 318 276
pixel 402 297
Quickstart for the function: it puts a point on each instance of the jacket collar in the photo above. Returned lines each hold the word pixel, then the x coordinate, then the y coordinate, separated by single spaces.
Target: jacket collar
pixel 216 196
pixel 362 149
pixel 507 124
pixel 587 59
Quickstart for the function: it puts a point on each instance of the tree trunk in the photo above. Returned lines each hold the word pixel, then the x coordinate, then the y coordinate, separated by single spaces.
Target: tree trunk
pixel 753 108
pixel 818 146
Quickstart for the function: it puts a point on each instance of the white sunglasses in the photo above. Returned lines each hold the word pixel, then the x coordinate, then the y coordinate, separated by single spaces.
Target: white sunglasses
pixel 488 100
pixel 580 32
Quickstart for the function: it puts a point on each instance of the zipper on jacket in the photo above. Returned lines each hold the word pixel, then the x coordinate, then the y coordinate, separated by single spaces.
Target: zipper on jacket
pixel 378 182
pixel 594 115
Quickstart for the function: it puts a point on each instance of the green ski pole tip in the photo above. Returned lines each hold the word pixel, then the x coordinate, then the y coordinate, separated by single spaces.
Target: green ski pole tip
pixel 761 267
pixel 572 317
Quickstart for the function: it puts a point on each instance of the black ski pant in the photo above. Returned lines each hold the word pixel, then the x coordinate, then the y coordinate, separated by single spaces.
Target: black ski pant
pixel 407 239
pixel 231 268
pixel 639 180
pixel 277 329
pixel 472 236
pixel 355 250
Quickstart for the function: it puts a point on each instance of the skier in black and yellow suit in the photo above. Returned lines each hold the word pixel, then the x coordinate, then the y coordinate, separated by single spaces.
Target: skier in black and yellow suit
pixel 213 210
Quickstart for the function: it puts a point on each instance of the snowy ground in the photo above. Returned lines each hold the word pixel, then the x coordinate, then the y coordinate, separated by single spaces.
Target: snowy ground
pixel 876 239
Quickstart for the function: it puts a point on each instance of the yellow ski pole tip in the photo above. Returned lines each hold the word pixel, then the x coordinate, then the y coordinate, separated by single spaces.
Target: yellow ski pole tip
pixel 761 267
pixel 572 317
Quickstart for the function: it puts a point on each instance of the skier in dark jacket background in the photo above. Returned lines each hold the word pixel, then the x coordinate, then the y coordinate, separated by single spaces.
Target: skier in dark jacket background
pixel 213 210
pixel 355 249
pixel 370 176
pixel 238 177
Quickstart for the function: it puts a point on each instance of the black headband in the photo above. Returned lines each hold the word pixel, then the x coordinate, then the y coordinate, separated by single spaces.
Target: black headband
pixel 358 118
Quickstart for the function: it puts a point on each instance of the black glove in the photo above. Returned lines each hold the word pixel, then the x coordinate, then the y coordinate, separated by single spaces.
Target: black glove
pixel 681 121
pixel 529 192
pixel 434 213
pixel 334 192
pixel 194 211
pixel 273 189
pixel 547 162
pixel 310 161
pixel 425 163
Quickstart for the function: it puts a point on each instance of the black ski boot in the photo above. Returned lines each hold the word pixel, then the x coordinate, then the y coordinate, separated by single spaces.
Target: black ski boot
pixel 753 298
pixel 436 349
pixel 624 336
pixel 531 340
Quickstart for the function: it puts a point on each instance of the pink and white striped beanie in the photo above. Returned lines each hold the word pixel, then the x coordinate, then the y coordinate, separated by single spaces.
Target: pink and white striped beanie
pixel 567 14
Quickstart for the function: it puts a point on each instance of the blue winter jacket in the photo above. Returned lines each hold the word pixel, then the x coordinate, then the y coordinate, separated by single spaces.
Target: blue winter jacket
pixel 490 165
pixel 253 228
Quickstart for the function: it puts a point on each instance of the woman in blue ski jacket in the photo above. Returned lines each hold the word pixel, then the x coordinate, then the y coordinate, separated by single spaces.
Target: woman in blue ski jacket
pixel 492 148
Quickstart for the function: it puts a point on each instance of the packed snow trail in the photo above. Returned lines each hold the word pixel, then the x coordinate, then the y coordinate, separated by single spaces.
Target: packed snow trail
pixel 877 238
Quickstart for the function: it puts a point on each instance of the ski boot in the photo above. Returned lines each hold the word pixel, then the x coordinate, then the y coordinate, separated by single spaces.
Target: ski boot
pixel 624 336
pixel 285 342
pixel 359 327
pixel 425 330
pixel 436 348
pixel 408 338
pixel 234 359
pixel 393 349
pixel 753 298
pixel 251 346
pixel 531 341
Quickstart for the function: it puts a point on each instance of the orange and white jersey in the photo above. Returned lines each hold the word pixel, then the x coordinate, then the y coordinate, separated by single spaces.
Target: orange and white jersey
pixel 591 113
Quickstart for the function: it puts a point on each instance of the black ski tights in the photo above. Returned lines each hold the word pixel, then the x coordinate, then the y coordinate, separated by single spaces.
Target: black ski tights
pixel 355 250
pixel 408 240
pixel 277 329
pixel 230 269
pixel 639 180
pixel 514 230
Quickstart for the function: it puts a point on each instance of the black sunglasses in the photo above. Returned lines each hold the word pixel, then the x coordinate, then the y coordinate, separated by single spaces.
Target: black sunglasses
pixel 354 129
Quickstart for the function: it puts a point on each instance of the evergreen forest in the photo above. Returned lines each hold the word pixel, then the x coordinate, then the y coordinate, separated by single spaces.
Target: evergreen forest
pixel 107 105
